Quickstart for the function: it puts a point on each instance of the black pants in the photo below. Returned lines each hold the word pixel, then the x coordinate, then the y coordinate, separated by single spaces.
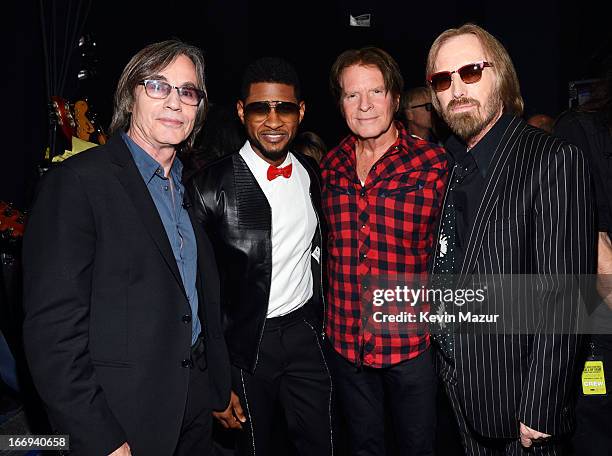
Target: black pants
pixel 477 445
pixel 196 430
pixel 291 375
pixel 405 391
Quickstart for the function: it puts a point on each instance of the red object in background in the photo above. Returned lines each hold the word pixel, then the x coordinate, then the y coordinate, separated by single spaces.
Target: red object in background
pixel 12 222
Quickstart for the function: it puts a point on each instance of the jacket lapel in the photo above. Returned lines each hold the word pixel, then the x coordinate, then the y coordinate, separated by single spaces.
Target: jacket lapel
pixel 495 182
pixel 253 209
pixel 136 189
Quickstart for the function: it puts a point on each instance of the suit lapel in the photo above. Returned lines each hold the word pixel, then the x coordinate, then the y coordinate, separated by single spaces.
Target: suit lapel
pixel 495 182
pixel 206 278
pixel 135 187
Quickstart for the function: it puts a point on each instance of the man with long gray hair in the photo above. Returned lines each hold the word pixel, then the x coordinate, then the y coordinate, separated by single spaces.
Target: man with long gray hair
pixel 518 204
pixel 122 327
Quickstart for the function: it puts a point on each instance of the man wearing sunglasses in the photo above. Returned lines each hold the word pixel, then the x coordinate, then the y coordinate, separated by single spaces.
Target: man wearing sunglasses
pixel 381 197
pixel 261 205
pixel 122 323
pixel 417 110
pixel 518 203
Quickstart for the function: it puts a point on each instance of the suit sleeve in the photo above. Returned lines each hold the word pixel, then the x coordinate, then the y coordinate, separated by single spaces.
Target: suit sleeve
pixel 58 259
pixel 564 250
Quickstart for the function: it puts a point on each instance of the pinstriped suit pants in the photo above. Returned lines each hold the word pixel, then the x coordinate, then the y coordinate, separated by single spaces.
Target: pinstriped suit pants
pixel 477 445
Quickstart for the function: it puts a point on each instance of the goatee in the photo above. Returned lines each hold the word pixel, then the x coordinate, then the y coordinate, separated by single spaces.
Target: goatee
pixel 272 155
pixel 467 125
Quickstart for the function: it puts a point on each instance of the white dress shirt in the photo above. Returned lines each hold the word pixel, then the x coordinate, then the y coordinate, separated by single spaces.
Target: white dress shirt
pixel 293 227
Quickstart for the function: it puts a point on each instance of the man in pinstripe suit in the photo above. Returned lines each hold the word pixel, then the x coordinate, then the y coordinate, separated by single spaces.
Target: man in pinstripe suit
pixel 518 203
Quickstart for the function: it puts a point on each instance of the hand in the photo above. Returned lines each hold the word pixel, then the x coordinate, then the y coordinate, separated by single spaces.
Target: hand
pixel 530 436
pixel 232 416
pixel 123 450
pixel 604 268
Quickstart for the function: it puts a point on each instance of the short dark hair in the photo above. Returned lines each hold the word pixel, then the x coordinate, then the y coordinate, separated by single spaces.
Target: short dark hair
pixel 270 69
pixel 148 61
pixel 367 56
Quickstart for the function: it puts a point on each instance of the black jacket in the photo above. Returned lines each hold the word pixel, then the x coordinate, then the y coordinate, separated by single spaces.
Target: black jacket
pixel 534 220
pixel 106 316
pixel 236 215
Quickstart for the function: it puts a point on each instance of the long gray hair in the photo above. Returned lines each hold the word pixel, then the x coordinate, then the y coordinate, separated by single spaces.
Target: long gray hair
pixel 149 61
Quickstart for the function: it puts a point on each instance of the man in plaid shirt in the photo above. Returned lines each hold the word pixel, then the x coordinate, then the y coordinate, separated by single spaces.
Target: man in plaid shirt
pixel 382 194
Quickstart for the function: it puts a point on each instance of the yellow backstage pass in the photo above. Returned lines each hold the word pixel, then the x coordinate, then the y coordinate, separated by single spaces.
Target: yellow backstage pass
pixel 593 378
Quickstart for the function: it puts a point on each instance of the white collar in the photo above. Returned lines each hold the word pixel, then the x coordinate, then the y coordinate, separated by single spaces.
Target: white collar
pixel 259 167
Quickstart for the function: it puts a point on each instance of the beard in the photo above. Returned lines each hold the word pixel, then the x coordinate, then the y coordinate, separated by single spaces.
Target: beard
pixel 467 125
pixel 273 155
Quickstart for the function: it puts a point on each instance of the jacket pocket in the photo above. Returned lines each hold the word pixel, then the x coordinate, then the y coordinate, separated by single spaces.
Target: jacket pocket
pixel 111 363
pixel 400 191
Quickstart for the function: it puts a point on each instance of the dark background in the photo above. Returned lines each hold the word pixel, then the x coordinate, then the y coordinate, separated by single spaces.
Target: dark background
pixel 551 43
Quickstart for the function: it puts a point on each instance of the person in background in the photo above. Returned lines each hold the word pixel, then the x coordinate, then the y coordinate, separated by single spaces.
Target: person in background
pixel 382 193
pixel 418 111
pixel 309 143
pixel 590 128
pixel 122 326
pixel 542 121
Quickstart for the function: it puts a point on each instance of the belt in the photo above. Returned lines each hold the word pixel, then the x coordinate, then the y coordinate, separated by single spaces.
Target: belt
pixel 289 319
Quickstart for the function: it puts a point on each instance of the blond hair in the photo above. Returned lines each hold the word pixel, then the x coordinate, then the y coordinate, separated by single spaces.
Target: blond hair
pixel 508 86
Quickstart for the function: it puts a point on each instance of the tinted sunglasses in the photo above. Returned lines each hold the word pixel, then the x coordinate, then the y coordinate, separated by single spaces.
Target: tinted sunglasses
pixel 286 110
pixel 469 74
pixel 160 89
pixel 427 106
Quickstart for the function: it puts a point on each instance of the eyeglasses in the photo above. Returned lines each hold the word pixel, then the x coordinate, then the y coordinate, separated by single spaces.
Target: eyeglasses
pixel 160 90
pixel 428 106
pixel 469 74
pixel 260 110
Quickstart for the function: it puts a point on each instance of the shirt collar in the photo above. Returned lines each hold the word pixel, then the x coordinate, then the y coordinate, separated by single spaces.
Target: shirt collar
pixel 483 151
pixel 147 165
pixel 349 144
pixel 258 165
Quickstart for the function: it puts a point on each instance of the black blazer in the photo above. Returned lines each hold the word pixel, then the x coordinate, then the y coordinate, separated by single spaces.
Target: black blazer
pixel 106 315
pixel 535 217
pixel 235 212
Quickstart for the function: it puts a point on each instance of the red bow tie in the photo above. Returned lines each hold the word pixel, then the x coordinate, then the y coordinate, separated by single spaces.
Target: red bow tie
pixel 274 172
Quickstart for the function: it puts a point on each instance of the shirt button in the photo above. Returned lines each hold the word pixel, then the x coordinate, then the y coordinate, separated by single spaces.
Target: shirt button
pixel 363 227
pixel 364 256
pixel 368 359
pixel 186 363
pixel 362 193
pixel 186 318
pixel 166 187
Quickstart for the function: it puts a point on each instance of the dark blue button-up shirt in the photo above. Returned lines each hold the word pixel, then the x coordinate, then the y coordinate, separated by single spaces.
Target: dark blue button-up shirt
pixel 167 194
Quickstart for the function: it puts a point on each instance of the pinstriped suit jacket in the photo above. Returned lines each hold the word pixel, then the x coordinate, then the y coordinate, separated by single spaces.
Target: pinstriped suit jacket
pixel 535 217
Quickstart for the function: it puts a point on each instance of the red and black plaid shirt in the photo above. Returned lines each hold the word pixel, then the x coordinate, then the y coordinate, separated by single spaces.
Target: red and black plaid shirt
pixel 383 229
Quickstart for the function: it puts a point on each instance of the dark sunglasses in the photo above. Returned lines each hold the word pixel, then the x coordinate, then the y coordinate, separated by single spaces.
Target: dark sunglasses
pixel 428 107
pixel 286 110
pixel 469 74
